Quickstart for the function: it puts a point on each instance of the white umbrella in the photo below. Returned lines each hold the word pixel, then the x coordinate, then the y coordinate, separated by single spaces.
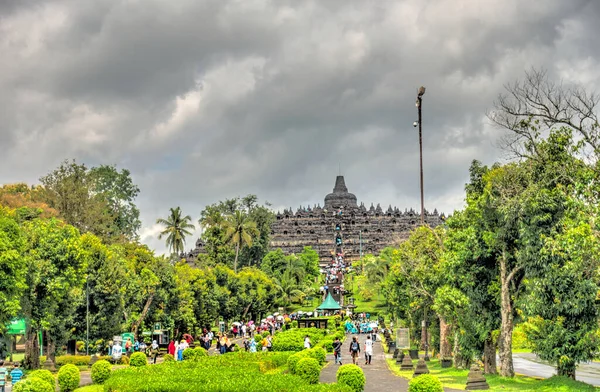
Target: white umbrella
pixel 236 323
pixel 279 318
pixel 310 313
pixel 373 325
pixel 275 314
pixel 269 317
pixel 263 320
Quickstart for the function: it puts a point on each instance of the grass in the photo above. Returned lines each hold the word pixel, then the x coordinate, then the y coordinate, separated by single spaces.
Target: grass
pixel 90 388
pixel 457 379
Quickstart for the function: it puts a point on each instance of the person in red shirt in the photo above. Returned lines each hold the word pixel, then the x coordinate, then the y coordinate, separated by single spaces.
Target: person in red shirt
pixel 171 347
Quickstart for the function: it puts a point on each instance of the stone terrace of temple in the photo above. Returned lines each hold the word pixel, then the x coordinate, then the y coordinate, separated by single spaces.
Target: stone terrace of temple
pixel 343 224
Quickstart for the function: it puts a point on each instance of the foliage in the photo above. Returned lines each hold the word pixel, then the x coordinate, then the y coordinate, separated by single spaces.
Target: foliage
pixel 12 267
pixel 425 383
pixel 68 378
pixel 240 230
pixel 168 358
pixel 44 374
pixel 194 354
pixel 138 359
pixel 352 376
pixel 309 369
pixel 293 339
pixel 101 371
pixel 33 384
pixel 177 227
pixel 77 360
pixel 293 360
pixel 236 372
pixel 97 200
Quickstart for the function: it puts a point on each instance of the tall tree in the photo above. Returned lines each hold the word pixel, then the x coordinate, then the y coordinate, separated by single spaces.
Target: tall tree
pixel 12 267
pixel 56 264
pixel 239 230
pixel 177 227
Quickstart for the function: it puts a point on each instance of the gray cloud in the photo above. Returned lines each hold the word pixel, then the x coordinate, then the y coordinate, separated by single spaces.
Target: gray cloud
pixel 204 100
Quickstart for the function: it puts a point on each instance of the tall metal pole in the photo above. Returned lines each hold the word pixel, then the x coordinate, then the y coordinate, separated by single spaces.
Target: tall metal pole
pixel 87 317
pixel 419 104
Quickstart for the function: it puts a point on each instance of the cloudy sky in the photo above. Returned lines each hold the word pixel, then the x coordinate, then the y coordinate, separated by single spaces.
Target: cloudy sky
pixel 204 100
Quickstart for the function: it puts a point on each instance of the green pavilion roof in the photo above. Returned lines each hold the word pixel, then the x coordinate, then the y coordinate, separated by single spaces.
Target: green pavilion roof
pixel 329 304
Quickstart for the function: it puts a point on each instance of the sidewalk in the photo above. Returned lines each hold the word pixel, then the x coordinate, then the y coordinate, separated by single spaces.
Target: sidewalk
pixel 379 378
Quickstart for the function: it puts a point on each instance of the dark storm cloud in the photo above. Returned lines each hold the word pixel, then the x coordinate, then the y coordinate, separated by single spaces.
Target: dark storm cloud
pixel 205 100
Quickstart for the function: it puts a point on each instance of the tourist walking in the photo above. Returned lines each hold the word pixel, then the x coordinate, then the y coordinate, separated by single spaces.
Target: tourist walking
pixel 306 342
pixel 354 350
pixel 171 348
pixel 368 350
pixel 337 351
pixel 154 351
pixel 252 346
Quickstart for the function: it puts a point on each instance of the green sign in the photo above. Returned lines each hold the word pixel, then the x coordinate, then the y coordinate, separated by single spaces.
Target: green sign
pixel 16 327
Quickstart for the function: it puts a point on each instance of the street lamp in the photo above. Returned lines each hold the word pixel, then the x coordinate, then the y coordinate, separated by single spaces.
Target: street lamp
pixel 419 104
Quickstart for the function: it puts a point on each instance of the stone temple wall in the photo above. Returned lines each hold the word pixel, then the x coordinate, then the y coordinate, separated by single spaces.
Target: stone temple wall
pixel 318 227
pixel 371 229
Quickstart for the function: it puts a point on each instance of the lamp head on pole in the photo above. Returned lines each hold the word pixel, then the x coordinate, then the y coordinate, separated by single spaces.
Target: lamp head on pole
pixel 421 91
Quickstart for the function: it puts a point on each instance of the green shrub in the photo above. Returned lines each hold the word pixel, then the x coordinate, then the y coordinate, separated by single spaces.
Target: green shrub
pixel 294 324
pixel 124 360
pixel 194 354
pixel 425 383
pixel 309 369
pixel 352 376
pixel 236 372
pixel 80 345
pixel 44 374
pixel 293 360
pixel 43 358
pixel 77 360
pixel 68 378
pixel 318 353
pixel 33 384
pixel 327 344
pixel 138 359
pixel 101 371
pixel 293 339
pixel 258 338
pixel 265 334
pixel 168 358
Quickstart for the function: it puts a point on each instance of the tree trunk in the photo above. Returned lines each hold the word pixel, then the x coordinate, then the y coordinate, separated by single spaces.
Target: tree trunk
pixel 506 328
pixel 489 355
pixel 424 330
pixel 445 330
pixel 138 322
pixel 460 361
pixel 237 252
pixel 566 368
pixel 32 349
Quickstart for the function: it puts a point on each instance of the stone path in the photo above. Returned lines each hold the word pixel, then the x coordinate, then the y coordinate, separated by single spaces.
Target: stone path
pixel 379 378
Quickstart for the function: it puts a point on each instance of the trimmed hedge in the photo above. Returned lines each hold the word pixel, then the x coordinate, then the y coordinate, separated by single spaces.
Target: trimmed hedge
pixel 101 371
pixel 425 383
pixel 293 339
pixel 352 376
pixel 68 378
pixel 45 375
pixel 33 384
pixel 77 360
pixel 309 369
pixel 168 358
pixel 236 372
pixel 124 360
pixel 194 354
pixel 138 359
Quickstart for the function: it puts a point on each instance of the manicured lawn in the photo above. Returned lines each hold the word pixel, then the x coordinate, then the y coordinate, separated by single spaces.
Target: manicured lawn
pixel 457 379
pixel 90 388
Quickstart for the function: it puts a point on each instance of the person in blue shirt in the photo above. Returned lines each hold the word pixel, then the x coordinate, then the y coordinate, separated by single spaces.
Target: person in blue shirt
pixel 16 374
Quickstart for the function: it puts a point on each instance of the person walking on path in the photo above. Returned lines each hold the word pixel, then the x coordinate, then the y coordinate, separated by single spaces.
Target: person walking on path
pixel 354 350
pixel 306 342
pixel 337 351
pixel 368 350
pixel 154 350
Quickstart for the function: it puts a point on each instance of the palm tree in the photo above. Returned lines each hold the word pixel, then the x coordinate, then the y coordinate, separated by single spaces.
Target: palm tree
pixel 176 229
pixel 239 230
pixel 289 288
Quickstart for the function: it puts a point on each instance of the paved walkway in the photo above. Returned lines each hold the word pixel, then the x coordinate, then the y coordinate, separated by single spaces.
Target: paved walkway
pixel 530 365
pixel 379 378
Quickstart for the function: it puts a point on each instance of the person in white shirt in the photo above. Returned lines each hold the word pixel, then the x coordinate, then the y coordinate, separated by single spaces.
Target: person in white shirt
pixel 368 350
pixel 306 342
pixel 244 330
pixel 117 352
